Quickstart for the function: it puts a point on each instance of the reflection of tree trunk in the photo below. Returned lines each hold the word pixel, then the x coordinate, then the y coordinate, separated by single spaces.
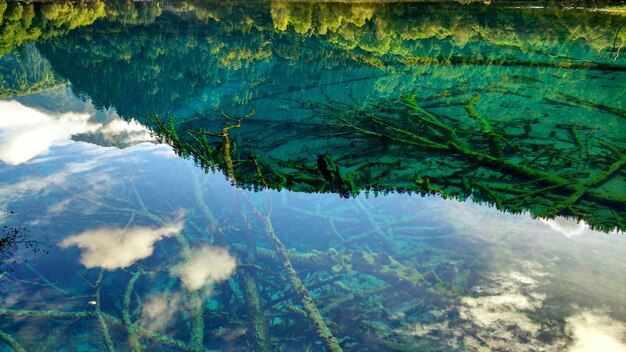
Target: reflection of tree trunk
pixel 258 325
pixel 249 275
pixel 586 187
pixel 306 299
pixel 196 309
pixel 464 149
pixel 98 313
pixel 389 244
pixel 614 53
pixel 154 336
pixel 226 147
pixel 134 331
pixel 11 342
pixel 133 339
pixel 380 265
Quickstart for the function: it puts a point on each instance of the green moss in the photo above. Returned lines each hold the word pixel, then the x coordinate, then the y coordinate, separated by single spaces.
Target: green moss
pixel 3 7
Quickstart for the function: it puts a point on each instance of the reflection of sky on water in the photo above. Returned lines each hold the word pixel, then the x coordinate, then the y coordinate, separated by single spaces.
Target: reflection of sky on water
pixel 114 248
pixel 535 268
pixel 535 275
pixel 206 265
pixel 27 133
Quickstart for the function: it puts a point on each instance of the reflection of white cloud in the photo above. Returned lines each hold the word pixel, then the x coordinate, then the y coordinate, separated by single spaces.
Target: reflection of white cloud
pixel 499 316
pixel 595 331
pixel 521 278
pixel 41 184
pixel 124 132
pixel 68 181
pixel 59 207
pixel 79 176
pixel 568 227
pixel 504 314
pixel 422 330
pixel 112 248
pixel 26 132
pixel 507 313
pixel 540 273
pixel 159 312
pixel 501 312
pixel 118 126
pixel 206 265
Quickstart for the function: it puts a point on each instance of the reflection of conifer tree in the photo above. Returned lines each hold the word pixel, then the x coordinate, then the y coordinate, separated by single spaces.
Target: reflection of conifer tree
pixel 157 67
pixel 26 72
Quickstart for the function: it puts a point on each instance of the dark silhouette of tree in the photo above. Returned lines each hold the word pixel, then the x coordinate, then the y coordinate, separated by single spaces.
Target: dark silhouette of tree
pixel 13 238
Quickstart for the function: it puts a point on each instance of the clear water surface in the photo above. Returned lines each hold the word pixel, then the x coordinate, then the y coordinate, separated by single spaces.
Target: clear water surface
pixel 282 176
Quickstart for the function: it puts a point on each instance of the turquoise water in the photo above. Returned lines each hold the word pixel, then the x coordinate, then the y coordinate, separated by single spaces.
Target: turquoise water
pixel 357 177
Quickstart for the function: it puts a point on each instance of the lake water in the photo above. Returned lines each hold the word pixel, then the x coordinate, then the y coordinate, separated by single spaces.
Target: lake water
pixel 303 176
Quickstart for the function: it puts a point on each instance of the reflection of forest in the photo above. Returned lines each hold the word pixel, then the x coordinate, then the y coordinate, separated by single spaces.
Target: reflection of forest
pixel 23 22
pixel 323 97
pixel 373 27
pixel 492 102
pixel 24 71
pixel 137 47
pixel 387 29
